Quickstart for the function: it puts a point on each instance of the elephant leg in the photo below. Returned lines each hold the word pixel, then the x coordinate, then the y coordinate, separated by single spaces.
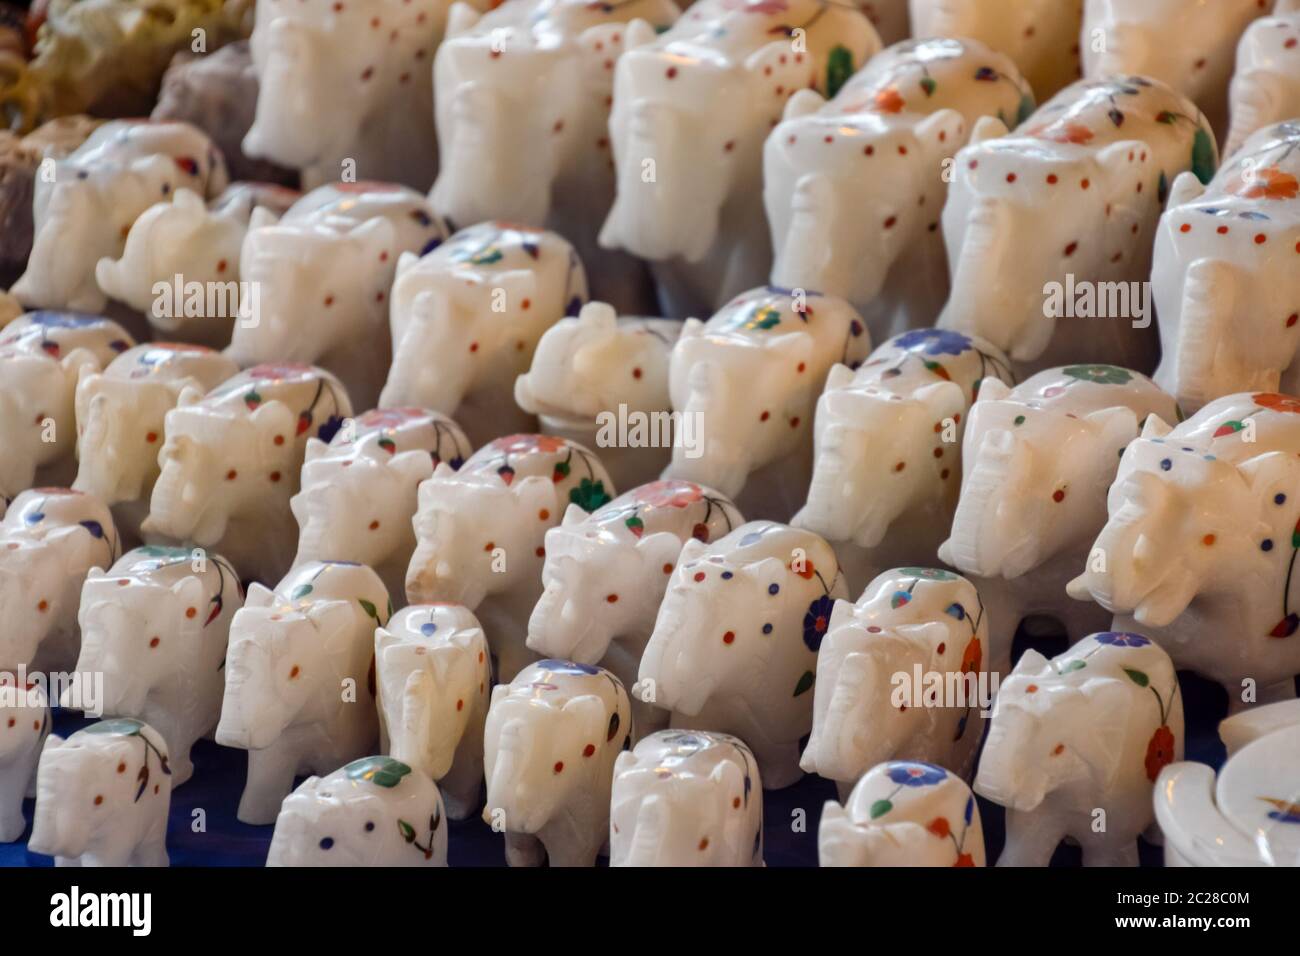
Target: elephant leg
pixel 1031 840
pixel 462 790
pixel 152 850
pixel 524 849
pixel 12 821
pixel 778 762
pixel 1123 853
pixel 270 778
pixel 570 841
pixel 69 861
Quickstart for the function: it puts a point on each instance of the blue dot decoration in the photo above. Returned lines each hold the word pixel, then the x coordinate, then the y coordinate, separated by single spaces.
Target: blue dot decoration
pixel 773 588
pixel 427 628
pixel 1279 499
pixel 327 843
pixel 1166 464
pixel 767 628
pixel 1266 544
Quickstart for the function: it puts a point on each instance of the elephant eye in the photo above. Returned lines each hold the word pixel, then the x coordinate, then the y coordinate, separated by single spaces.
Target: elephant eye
pixel 370 826
pixel 326 843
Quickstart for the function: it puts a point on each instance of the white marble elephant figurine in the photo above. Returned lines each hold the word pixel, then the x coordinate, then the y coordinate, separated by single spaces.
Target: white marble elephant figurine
pixel 365 68
pixel 432 675
pixel 41 356
pixel 102 796
pixel 1200 543
pixel 376 811
pixel 686 798
pixel 1078 741
pixel 466 319
pixel 903 813
pixel 691 111
pixel 854 187
pixel 603 381
pixel 1037 461
pixel 50 538
pixel 318 280
pixel 481 531
pixel 121 421
pixel 744 386
pixel 1063 212
pixel 901 675
pixel 299 685
pixel 1246 816
pixel 1125 38
pixel 912 396
pixel 605 574
pixel 1040 36
pixel 506 154
pixel 232 459
pixel 1265 87
pixel 180 264
pixel 552 737
pixel 24 722
pixel 84 211
pixel 359 491
pixel 734 647
pixel 155 625
pixel 1223 276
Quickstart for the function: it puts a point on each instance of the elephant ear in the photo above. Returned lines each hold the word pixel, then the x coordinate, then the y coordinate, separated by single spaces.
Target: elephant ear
pixel 333 620
pixel 586 714
pixel 259 595
pixel 413 466
pixel 1115 428
pixel 461 18
pixel 1186 188
pixel 1270 474
pixel 987 128
pixel 938 131
pixel 270 419
pixel 728 782
pixel 190 593
pixel 802 103
pixel 658 550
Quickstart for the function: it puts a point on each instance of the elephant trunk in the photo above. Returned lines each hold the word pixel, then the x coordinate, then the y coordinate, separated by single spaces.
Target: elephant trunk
pixel 803 256
pixel 659 211
pixel 1252 108
pixel 1208 297
pixel 985 260
pixel 978 543
pixel 647 844
pixel 1009 772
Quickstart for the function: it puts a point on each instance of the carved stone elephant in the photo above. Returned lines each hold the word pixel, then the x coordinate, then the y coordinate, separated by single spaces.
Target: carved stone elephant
pixel 1223 278
pixel 481 531
pixel 854 187
pixel 1200 543
pixel 1041 36
pixel 552 736
pixel 744 386
pixel 735 644
pixel 359 491
pixel 42 355
pixel 298 696
pixel 691 111
pixel 319 279
pixel 523 102
pixel 1077 743
pixel 84 211
pixel 155 624
pixel 1265 86
pixel 686 798
pixel 466 318
pixel 606 572
pixel 121 421
pixel 1037 461
pixel 603 381
pixel 901 675
pixel 231 463
pixel 1063 212
pixel 1120 37
pixel 903 813
pixel 913 396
